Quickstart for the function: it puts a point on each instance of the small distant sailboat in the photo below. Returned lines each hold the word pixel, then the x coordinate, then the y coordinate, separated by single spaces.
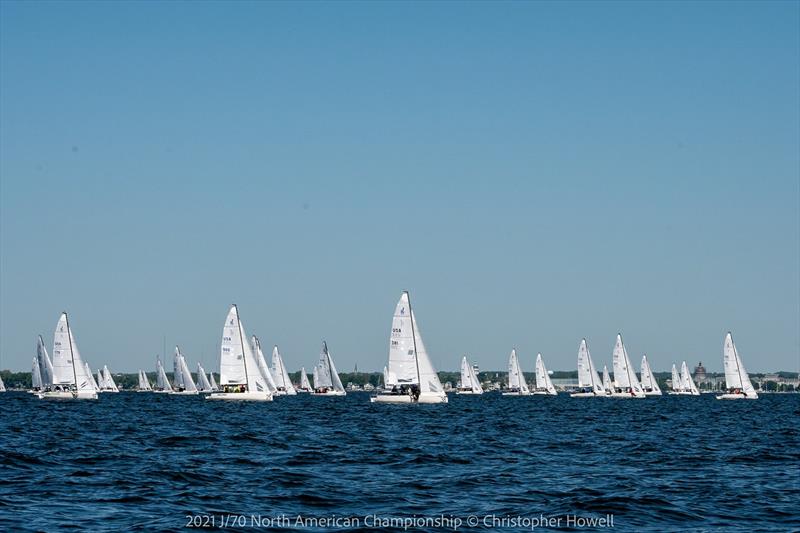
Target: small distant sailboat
pixel 106 380
pixel 626 385
pixel 326 379
pixel 70 378
pixel 263 367
pixel 677 383
pixel 469 380
pixel 687 382
pixel 203 385
pixel 304 386
pixel 36 377
pixel 214 386
pixel 589 383
pixel 544 385
pixel 737 382
pixel 649 384
pixel 281 375
pixel 517 386
pixel 182 382
pixel 607 385
pixel 239 375
pixel 162 383
pixel 411 374
pixel 144 383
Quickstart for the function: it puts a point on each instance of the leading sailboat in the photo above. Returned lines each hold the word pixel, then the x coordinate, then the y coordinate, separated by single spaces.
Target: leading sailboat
pixel 326 379
pixel 469 380
pixel 70 379
pixel 589 383
pixel 626 385
pixel 543 383
pixel 737 382
pixel 414 378
pixel 239 375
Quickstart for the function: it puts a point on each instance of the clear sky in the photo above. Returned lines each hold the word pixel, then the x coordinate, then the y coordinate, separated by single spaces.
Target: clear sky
pixel 532 172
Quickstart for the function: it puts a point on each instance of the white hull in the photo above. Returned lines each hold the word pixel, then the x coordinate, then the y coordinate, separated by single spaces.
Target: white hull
pixel 405 398
pixel 518 393
pixel 626 395
pixel 653 393
pixel 186 393
pixel 107 390
pixel 143 390
pixel 302 391
pixel 469 392
pixel 241 396
pixel 62 395
pixel 329 393
pixel 544 393
pixel 736 397
pixel 685 393
pixel 161 391
pixel 585 395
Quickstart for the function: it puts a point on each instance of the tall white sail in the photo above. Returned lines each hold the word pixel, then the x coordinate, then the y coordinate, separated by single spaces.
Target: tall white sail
pixel 162 383
pixel 304 384
pixel 516 378
pixel 188 383
pixel 108 380
pixel 687 381
pixel 263 367
pixel 203 385
pixel 624 374
pixel 543 382
pixel 737 381
pixel 177 372
pixel 326 375
pixel 607 385
pixel 45 364
pixel 315 377
pixel 237 364
pixel 101 382
pixel 95 384
pixel 677 383
pixel 68 368
pixel 214 386
pixel 649 383
pixel 280 374
pixel 36 375
pixel 144 383
pixel 469 380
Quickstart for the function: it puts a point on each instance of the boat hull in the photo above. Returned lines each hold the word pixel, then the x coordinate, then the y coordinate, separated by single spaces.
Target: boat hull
pixel 584 395
pixel 469 392
pixel 652 393
pixel 736 397
pixel 65 395
pixel 544 393
pixel 329 393
pixel 404 398
pixel 185 393
pixel 241 396
pixel 626 395
pixel 515 393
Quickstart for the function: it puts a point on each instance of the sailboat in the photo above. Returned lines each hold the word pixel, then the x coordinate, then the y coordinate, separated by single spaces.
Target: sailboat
pixel 304 386
pixel 517 386
pixel 45 364
pixel 626 385
pixel 162 383
pixel 737 382
pixel 281 375
pixel 607 385
pixel 2 385
pixel 411 374
pixel 649 384
pixel 544 385
pixel 70 379
pixel 239 375
pixel 677 383
pixel 263 367
pixel 589 383
pixel 326 379
pixel 203 385
pixel 687 382
pixel 36 377
pixel 469 380
pixel 182 382
pixel 144 383
pixel 214 386
pixel 107 383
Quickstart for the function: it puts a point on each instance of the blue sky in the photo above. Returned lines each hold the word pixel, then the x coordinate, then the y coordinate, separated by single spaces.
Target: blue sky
pixel 534 173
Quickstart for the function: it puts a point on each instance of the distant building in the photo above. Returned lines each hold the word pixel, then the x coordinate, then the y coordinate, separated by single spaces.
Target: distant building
pixel 699 372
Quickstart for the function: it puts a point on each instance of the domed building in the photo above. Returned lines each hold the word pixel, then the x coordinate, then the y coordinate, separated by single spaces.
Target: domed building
pixel 699 372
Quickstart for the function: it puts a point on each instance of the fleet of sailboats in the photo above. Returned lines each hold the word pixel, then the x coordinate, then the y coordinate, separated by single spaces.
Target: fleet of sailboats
pixel 469 380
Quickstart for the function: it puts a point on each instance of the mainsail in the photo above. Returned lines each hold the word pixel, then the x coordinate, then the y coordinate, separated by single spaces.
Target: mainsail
pixel 736 377
pixel 649 383
pixel 280 374
pixel 45 364
pixel 516 378
pixel 543 382
pixel 36 376
pixel 607 385
pixel 68 367
pixel 237 364
pixel 95 385
pixel 203 384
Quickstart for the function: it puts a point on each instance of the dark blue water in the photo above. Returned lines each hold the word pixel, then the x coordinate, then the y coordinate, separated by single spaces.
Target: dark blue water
pixel 154 462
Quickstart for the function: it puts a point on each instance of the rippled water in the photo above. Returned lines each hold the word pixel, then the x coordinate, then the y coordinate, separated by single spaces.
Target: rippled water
pixel 147 461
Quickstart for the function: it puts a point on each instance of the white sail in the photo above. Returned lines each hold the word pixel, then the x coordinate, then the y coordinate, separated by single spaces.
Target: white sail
pixel 315 377
pixel 186 376
pixel 469 380
pixel 162 383
pixel 68 368
pixel 144 383
pixel 687 381
pixel 45 364
pixel 36 375
pixel 214 386
pixel 280 374
pixel 262 366
pixel 649 383
pixel 203 384
pixel 108 381
pixel 304 384
pixel 95 385
pixel 177 372
pixel 237 365
pixel 607 385
pixel 2 385
pixel 543 381
pixel 516 378
pixel 624 374
pixel 736 377
pixel 677 384
pixel 326 375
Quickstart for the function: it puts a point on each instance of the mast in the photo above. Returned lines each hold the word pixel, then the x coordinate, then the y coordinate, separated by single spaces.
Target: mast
pixel 241 339
pixel 414 340
pixel 71 355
